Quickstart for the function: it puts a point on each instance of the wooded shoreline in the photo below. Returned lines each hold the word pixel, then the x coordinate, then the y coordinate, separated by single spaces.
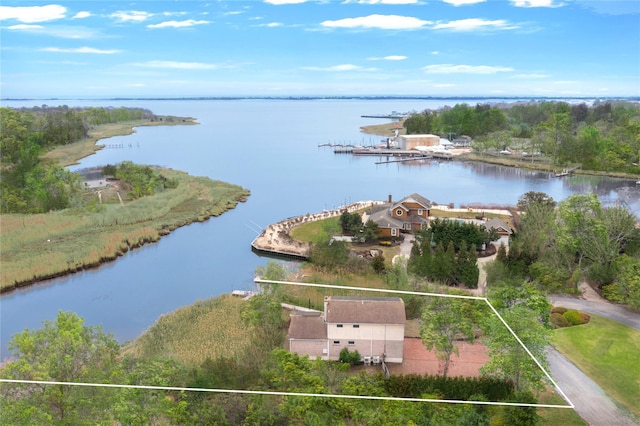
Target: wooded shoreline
pixel 38 247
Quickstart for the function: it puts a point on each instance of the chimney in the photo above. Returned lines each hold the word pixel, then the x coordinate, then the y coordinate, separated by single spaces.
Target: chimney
pixel 390 199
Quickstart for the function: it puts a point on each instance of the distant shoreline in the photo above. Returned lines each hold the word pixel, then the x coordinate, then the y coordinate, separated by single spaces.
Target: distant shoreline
pixel 336 97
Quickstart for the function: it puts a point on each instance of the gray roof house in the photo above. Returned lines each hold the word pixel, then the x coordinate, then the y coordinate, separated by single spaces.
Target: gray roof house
pixel 373 326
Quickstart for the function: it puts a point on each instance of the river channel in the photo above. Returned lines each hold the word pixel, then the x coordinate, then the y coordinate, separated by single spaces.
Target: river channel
pixel 271 148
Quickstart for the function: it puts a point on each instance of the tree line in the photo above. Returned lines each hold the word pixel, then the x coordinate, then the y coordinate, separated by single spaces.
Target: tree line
pixel 31 185
pixel 604 136
pixel 559 245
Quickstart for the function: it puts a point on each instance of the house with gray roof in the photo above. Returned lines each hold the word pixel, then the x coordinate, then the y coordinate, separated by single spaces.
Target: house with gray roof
pixel 374 326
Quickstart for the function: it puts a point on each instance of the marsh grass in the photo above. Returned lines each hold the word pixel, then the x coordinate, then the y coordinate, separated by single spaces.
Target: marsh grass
pixel 36 247
pixel 207 329
pixel 607 351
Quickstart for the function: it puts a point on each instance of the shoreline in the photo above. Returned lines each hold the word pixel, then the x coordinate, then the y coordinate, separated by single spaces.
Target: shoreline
pixel 275 239
pixel 71 154
pixel 387 129
pixel 41 247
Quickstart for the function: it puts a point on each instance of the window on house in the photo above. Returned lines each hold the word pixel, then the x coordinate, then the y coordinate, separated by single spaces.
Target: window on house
pixel 393 232
pixel 351 342
pixel 336 342
pixel 419 212
pixel 339 325
pixel 356 325
pixel 399 212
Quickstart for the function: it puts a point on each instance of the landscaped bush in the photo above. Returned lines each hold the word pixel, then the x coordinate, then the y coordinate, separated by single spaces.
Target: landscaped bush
pixel 573 317
pixel 585 318
pixel 558 320
pixel 558 310
pixel 386 243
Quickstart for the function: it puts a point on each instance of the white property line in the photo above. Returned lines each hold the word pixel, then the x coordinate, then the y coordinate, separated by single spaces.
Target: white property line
pixel 455 296
pixel 250 392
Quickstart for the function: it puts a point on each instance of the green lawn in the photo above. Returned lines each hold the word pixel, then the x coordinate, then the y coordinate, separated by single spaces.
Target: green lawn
pixel 609 353
pixel 316 231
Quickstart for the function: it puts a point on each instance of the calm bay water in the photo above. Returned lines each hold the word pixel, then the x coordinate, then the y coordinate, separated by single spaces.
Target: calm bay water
pixel 271 148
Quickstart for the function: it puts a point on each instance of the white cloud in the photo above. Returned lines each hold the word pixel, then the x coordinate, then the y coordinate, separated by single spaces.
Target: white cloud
pixel 271 25
pixel 131 16
pixel 279 2
pixel 472 24
pixel 178 24
pixel 464 69
pixel 385 22
pixel 445 85
pixel 536 3
pixel 24 27
pixel 178 65
pixel 339 68
pixel 61 31
pixel 382 1
pixel 173 13
pixel 435 52
pixel 81 15
pixel 463 2
pixel 81 50
pixel 31 14
pixel 388 58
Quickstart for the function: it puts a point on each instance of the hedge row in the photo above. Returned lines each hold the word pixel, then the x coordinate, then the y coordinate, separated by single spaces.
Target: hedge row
pixel 458 388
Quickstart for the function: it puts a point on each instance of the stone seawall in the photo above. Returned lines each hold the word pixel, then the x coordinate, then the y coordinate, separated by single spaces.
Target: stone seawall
pixel 276 239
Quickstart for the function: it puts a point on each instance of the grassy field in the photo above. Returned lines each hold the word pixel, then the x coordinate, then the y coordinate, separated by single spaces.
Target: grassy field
pixel 207 329
pixel 607 351
pixel 385 129
pixel 67 155
pixel 40 246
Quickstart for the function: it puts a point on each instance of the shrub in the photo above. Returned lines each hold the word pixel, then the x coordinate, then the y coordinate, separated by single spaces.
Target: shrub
pixel 558 320
pixel 385 243
pixel 352 358
pixel 573 317
pixel 377 263
pixel 558 310
pixel 585 318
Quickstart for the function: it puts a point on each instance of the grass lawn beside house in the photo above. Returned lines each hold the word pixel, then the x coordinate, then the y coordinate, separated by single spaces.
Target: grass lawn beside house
pixel 607 351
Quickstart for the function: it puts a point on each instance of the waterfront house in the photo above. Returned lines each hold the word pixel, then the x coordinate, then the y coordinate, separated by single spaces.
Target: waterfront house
pixel 373 326
pixel 410 214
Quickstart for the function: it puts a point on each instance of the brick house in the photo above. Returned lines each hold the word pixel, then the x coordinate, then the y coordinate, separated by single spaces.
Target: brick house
pixel 410 214
pixel 374 326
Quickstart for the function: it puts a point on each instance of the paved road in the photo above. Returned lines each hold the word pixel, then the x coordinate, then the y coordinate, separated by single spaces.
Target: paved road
pixel 601 308
pixel 591 402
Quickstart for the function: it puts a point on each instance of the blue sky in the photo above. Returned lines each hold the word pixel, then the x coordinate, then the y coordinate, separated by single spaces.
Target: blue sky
pixel 89 49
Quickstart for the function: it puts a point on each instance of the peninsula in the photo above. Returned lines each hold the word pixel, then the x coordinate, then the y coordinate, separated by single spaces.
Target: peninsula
pixel 40 246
